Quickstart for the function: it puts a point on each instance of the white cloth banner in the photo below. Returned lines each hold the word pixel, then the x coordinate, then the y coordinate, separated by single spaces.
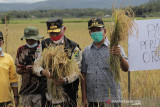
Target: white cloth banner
pixel 143 52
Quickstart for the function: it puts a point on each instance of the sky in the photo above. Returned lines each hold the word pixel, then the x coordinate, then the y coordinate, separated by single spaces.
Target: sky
pixel 20 1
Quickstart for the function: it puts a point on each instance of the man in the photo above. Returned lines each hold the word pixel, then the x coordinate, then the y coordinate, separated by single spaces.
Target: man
pixel 56 32
pixel 98 81
pixel 32 86
pixel 8 78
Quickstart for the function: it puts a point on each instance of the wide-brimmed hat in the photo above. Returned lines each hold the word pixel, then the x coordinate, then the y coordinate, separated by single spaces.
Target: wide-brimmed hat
pixel 95 22
pixel 54 25
pixel 31 33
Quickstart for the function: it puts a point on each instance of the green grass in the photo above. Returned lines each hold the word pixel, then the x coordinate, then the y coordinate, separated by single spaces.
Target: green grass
pixel 66 20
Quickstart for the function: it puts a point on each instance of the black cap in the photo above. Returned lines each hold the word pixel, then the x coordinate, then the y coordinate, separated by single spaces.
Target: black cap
pixel 95 22
pixel 54 25
pixel 1 35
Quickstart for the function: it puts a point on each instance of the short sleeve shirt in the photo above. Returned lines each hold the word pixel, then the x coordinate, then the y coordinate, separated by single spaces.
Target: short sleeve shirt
pixel 99 79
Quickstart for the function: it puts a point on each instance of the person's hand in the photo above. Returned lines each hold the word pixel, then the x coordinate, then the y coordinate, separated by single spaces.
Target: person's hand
pixel 21 66
pixel 115 50
pixel 58 82
pixel 29 68
pixel 46 73
pixel 85 102
pixel 16 100
pixel 20 69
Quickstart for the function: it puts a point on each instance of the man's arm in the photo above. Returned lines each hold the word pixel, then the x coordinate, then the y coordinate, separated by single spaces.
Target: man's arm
pixel 83 81
pixel 123 60
pixel 83 88
pixel 14 82
pixel 16 96
pixel 124 64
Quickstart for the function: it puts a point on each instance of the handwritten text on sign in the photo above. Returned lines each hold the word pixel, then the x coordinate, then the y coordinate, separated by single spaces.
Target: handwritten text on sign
pixel 143 51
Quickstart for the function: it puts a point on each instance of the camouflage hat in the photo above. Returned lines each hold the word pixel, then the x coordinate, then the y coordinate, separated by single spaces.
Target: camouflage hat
pixel 31 33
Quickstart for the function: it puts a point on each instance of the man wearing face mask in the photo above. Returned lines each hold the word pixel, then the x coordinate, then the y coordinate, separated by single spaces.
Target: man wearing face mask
pixel 32 85
pixel 8 78
pixel 98 84
pixel 56 31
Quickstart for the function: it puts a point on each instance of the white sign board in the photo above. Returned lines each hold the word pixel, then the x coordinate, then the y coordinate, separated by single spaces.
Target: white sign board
pixel 143 51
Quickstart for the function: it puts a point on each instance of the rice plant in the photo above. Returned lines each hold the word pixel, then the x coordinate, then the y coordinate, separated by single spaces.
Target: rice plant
pixel 123 26
pixel 55 60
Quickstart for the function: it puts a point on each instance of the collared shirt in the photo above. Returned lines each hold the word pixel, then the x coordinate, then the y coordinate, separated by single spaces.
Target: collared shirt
pixel 8 77
pixel 99 79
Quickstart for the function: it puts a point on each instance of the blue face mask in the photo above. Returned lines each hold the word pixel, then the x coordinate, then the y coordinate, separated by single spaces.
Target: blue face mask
pixel 32 46
pixel 0 49
pixel 97 36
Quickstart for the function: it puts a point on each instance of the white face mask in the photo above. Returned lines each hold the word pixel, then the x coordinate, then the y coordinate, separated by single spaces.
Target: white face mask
pixel 58 41
pixel 32 46
pixel 0 49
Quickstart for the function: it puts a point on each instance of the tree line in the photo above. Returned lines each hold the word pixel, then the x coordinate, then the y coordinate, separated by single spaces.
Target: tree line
pixel 151 8
pixel 66 13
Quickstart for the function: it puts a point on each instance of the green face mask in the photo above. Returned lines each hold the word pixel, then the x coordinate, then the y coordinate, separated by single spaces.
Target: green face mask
pixel 97 36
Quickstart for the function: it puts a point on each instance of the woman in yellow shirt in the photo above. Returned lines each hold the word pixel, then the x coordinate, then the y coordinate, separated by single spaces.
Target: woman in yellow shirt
pixel 8 78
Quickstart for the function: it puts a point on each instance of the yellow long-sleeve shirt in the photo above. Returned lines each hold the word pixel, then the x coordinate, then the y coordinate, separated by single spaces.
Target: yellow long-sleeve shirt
pixel 8 77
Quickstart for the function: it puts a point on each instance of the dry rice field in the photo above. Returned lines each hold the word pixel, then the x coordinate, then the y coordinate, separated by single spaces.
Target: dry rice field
pixel 145 85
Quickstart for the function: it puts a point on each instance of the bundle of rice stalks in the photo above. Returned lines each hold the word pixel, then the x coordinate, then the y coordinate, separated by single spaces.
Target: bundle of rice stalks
pixel 123 25
pixel 55 60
